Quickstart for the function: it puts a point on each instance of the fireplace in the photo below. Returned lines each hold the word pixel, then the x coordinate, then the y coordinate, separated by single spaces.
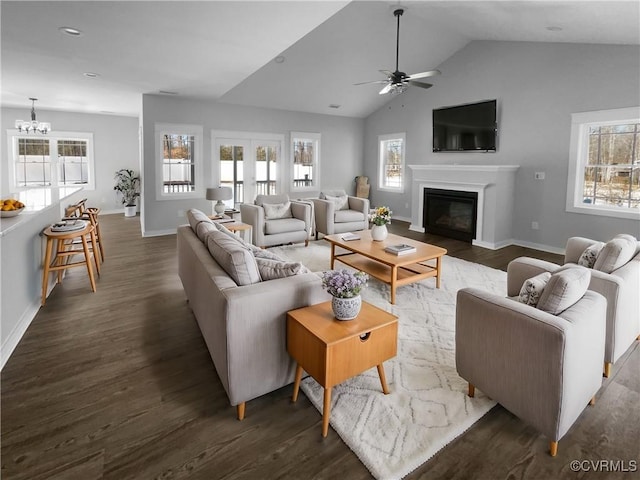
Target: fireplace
pixel 494 186
pixel 451 213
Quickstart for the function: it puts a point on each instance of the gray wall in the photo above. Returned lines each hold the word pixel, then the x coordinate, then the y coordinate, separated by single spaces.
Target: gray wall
pixel 341 147
pixel 115 141
pixel 538 86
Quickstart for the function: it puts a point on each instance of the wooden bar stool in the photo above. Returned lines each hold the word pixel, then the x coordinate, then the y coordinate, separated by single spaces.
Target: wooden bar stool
pixel 92 213
pixel 79 210
pixel 64 253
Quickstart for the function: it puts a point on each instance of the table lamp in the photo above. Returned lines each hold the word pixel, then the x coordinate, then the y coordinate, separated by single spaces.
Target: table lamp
pixel 219 194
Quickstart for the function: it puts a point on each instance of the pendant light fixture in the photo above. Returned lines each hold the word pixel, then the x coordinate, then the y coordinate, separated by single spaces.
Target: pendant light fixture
pixel 33 125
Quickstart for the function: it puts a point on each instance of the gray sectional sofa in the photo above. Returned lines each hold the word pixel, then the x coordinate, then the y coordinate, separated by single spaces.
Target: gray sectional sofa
pixel 240 295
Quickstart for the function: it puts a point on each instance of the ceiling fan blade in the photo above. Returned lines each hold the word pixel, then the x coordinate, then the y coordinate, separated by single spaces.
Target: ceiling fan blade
pixel 430 73
pixel 420 84
pixel 386 89
pixel 374 81
pixel 386 73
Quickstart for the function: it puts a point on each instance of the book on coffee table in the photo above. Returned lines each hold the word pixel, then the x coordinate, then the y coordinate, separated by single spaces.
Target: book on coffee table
pixel 350 236
pixel 400 249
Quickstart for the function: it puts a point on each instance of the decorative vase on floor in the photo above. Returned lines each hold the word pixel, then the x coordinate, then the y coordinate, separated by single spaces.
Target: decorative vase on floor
pixel 379 232
pixel 346 308
pixel 129 210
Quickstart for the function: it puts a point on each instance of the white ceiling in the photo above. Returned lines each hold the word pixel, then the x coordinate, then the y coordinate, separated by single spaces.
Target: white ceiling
pixel 224 51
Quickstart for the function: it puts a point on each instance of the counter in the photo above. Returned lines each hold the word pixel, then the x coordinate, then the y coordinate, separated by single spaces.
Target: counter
pixel 21 257
pixel 36 201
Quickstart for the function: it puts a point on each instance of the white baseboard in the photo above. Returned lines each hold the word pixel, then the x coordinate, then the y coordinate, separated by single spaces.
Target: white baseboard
pixel 416 228
pixel 539 246
pixel 12 340
pixel 491 245
pixel 18 332
pixel 159 233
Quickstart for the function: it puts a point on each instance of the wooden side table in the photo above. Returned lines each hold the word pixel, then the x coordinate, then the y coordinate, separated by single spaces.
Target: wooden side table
pixel 332 351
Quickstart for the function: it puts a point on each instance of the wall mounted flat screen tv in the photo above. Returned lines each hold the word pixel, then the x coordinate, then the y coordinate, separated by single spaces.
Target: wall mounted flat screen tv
pixel 469 127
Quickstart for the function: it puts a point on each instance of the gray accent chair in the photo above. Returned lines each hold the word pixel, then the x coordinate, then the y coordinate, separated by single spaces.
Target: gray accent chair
pixel 330 221
pixel 279 231
pixel 543 368
pixel 621 288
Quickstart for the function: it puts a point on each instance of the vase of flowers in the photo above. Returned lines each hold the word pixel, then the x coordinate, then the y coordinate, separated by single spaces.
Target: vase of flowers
pixel 380 217
pixel 345 286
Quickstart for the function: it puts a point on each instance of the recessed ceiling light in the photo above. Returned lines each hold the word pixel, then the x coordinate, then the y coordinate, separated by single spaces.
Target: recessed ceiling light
pixel 333 105
pixel 91 74
pixel 73 32
pixel 553 28
pixel 167 92
pixel 279 59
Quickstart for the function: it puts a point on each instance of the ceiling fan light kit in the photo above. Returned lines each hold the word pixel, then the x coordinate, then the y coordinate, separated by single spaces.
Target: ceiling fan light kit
pixel 397 81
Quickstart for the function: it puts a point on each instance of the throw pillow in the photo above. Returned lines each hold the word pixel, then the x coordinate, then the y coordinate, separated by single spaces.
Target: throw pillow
pixel 237 238
pixel 333 193
pixel 195 216
pixel 203 229
pixel 236 260
pixel 532 288
pixel 266 254
pixel 590 255
pixel 565 287
pixel 341 202
pixel 277 210
pixel 616 252
pixel 274 269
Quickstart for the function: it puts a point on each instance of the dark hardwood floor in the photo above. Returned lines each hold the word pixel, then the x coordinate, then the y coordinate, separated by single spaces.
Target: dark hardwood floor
pixel 118 384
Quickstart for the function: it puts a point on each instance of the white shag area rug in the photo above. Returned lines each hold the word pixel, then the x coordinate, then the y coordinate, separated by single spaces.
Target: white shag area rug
pixel 428 406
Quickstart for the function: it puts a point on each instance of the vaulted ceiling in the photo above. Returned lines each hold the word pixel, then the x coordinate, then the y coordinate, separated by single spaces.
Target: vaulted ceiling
pixel 226 51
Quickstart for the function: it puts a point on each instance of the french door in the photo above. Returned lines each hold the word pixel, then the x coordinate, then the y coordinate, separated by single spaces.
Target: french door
pixel 249 163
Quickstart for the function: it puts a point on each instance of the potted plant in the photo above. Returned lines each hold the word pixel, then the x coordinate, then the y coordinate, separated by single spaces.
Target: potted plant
pixel 380 217
pixel 128 185
pixel 344 287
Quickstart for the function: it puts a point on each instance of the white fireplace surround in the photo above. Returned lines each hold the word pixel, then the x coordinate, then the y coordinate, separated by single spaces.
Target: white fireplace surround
pixel 494 184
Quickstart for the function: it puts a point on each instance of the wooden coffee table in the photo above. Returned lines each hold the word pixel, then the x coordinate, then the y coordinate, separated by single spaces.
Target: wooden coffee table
pixel 369 256
pixel 332 351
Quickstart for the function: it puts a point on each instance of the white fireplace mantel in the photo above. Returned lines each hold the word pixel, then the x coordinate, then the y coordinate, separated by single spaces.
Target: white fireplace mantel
pixel 494 184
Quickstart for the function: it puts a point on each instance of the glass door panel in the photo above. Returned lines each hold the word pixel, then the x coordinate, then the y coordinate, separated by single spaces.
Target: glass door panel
pixel 266 167
pixel 232 170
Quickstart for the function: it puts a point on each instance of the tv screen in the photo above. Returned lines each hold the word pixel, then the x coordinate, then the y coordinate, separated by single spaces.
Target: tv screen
pixel 465 127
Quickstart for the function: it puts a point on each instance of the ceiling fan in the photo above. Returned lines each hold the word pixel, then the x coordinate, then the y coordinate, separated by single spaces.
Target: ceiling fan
pixel 397 82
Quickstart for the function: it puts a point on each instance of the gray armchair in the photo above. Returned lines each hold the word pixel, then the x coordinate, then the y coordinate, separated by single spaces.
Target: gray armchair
pixel 542 367
pixel 331 217
pixel 620 287
pixel 276 223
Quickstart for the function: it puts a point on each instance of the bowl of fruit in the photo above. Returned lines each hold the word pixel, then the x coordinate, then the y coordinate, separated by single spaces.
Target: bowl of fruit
pixel 10 207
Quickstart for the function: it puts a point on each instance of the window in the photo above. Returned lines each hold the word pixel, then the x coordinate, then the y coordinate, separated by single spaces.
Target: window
pixel 62 159
pixel 604 170
pixel 73 163
pixel 179 172
pixel 391 162
pixel 305 160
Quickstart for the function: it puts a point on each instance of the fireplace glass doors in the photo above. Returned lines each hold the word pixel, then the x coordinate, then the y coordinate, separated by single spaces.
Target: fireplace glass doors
pixel 450 213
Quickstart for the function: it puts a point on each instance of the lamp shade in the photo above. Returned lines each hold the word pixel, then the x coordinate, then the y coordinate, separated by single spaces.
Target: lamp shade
pixel 219 193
